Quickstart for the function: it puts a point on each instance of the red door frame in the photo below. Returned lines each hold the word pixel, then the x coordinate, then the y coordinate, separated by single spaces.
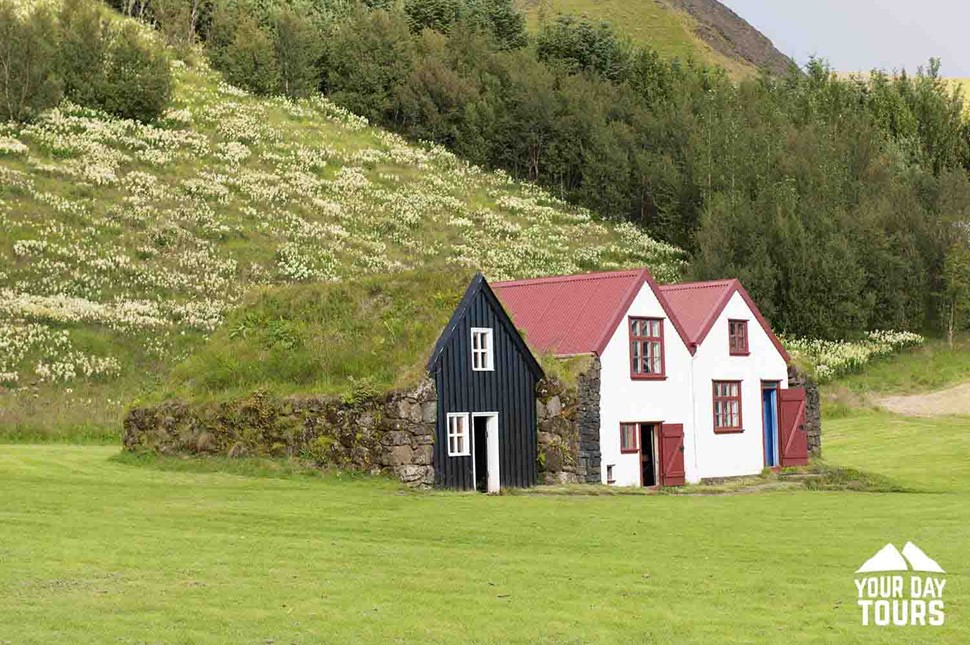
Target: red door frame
pixel 776 386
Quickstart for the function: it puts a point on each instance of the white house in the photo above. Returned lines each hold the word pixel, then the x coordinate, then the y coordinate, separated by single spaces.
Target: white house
pixel 693 382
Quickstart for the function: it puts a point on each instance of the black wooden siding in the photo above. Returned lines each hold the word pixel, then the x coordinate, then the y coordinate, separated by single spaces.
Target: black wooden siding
pixel 508 390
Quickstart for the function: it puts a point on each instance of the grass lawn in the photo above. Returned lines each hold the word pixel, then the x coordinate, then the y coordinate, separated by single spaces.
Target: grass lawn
pixel 95 550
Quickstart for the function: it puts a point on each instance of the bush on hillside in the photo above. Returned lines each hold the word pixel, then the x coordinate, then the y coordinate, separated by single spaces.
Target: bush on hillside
pixel 139 80
pixel 84 36
pixel 297 53
pixel 28 46
pixel 84 56
pixel 582 46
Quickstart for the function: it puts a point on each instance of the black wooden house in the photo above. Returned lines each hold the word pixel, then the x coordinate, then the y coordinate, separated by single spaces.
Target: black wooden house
pixel 486 378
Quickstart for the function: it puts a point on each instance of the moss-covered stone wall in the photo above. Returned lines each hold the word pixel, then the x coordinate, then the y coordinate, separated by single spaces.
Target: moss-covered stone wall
pixel 391 433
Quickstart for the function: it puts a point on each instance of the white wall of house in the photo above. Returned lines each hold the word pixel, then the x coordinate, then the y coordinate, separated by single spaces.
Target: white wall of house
pixel 625 400
pixel 686 394
pixel 727 455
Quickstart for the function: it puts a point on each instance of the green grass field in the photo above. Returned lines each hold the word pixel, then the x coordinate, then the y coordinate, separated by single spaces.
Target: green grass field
pixel 99 549
pixel 95 548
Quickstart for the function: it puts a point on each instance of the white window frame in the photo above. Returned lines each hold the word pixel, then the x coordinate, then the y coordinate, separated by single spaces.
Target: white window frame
pixel 483 358
pixel 459 435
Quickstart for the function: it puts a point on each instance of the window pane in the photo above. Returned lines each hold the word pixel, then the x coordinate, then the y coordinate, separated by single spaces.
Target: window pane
pixel 628 437
pixel 635 327
pixel 655 328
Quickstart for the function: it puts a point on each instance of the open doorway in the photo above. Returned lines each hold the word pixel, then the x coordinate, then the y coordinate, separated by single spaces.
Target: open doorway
pixel 769 410
pixel 485 467
pixel 648 454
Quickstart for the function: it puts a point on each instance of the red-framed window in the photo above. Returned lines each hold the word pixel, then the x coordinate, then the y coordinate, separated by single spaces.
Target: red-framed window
pixel 629 437
pixel 738 337
pixel 727 406
pixel 647 348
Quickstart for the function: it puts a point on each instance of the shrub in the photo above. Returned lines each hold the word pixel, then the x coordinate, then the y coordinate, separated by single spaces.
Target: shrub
pixel 28 54
pixel 296 53
pixel 249 60
pixel 83 37
pixel 138 77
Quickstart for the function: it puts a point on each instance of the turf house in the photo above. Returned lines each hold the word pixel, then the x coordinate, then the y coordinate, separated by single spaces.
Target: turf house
pixel 440 378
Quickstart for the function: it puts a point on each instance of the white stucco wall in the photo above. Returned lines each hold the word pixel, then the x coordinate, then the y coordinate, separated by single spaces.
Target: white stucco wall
pixel 685 396
pixel 727 455
pixel 625 400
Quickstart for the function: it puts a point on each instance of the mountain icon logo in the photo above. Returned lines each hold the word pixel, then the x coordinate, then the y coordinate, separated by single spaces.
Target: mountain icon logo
pixel 889 558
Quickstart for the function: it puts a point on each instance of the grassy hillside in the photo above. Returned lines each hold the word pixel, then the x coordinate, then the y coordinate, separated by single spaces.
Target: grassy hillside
pixel 122 245
pixel 664 25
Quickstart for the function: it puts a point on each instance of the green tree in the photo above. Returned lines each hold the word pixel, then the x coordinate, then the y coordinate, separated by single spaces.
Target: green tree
pixel 369 58
pixel 28 59
pixel 956 285
pixel 139 78
pixel 580 45
pixel 296 53
pixel 84 36
pixel 249 60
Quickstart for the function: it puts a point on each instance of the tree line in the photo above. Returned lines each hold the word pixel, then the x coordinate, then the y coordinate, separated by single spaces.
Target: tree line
pixel 841 203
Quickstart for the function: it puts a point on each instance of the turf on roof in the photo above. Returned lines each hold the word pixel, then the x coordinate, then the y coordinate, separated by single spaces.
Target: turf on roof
pixel 372 334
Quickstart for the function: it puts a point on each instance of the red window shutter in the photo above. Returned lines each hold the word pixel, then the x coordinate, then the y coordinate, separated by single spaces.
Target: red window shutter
pixel 672 454
pixel 791 421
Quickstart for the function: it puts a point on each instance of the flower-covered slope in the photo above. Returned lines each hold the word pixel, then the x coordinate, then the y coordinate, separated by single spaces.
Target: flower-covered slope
pixel 122 245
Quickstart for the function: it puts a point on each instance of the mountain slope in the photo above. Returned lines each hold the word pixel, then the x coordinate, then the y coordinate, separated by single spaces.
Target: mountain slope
pixel 123 245
pixel 703 29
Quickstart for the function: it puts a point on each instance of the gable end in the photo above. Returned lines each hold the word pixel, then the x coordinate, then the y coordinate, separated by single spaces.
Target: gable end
pixel 478 286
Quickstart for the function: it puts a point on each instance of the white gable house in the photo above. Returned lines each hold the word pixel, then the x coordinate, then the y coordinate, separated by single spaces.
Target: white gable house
pixel 693 382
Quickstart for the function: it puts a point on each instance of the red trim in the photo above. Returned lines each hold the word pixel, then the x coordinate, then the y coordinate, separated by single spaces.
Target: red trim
pixel 624 307
pixel 764 323
pixel 716 313
pixel 636 449
pixel 742 350
pixel 715 398
pixel 657 458
pixel 646 376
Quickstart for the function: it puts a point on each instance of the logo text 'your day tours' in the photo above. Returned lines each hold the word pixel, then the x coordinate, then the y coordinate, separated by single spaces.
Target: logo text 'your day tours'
pixel 900 599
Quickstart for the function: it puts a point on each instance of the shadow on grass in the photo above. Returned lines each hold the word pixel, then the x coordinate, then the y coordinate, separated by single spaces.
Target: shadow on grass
pixel 819 476
pixel 257 467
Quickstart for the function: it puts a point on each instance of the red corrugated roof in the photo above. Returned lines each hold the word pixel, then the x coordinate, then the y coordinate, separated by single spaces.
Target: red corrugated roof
pixel 569 314
pixel 698 304
pixel 577 314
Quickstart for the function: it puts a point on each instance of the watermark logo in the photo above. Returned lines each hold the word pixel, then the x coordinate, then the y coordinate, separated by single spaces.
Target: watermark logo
pixel 913 597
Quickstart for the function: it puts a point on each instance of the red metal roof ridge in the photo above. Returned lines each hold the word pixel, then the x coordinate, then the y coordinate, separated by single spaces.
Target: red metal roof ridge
pixel 577 277
pixel 642 277
pixel 716 310
pixel 674 286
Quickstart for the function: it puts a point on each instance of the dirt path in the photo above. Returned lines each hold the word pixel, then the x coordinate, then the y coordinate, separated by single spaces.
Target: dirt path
pixel 953 400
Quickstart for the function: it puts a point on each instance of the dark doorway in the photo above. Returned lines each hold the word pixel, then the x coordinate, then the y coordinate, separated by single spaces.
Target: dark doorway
pixel 480 429
pixel 648 473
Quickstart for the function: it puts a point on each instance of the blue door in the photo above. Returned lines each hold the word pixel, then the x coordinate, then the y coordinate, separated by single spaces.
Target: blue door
pixel 769 408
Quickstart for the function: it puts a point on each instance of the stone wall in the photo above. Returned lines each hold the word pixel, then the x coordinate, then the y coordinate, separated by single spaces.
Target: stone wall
pixel 813 409
pixel 392 433
pixel 569 422
pixel 556 408
pixel 588 420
